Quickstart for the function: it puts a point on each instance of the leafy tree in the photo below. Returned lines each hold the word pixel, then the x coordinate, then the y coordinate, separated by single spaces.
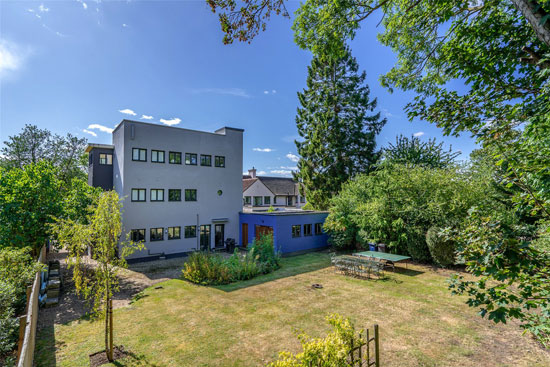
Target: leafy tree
pixel 415 152
pixel 30 199
pixel 337 123
pixel 101 234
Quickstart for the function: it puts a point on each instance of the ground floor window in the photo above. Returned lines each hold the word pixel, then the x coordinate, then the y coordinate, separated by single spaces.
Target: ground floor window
pixel 267 200
pixel 174 233
pixel 318 228
pixel 247 200
pixel 137 235
pixel 296 229
pixel 257 200
pixel 156 234
pixel 190 195
pixel 190 231
pixel 307 229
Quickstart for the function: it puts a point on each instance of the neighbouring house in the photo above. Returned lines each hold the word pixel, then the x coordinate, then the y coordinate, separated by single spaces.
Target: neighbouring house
pixel 279 192
pixel 181 187
pixel 293 231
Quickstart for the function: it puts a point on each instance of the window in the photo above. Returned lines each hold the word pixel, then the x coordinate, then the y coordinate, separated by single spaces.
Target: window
pixel 219 161
pixel 174 194
pixel 137 235
pixel 318 228
pixel 157 156
pixel 190 232
pixel 174 157
pixel 174 233
pixel 206 160
pixel 307 229
pixel 157 234
pixel 296 231
pixel 157 195
pixel 247 200
pixel 138 194
pixel 274 199
pixel 139 154
pixel 90 158
pixel 302 199
pixel 191 159
pixel 190 195
pixel 106 159
pixel 267 200
pixel 257 200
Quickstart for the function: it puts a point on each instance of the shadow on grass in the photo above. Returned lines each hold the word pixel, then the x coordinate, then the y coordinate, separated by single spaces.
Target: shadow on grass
pixel 134 360
pixel 405 271
pixel 44 354
pixel 290 266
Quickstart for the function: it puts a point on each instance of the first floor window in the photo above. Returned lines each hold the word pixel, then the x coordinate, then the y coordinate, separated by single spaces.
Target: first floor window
pixel 318 228
pixel 307 229
pixel 106 159
pixel 137 235
pixel 157 234
pixel 247 200
pixel 219 161
pixel 190 231
pixel 190 195
pixel 157 195
pixel 174 158
pixel 267 200
pixel 157 156
pixel 174 194
pixel 139 154
pixel 206 160
pixel 191 159
pixel 138 194
pixel 296 231
pixel 257 200
pixel 174 233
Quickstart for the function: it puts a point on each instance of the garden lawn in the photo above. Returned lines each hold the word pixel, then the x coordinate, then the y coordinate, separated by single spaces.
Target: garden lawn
pixel 248 323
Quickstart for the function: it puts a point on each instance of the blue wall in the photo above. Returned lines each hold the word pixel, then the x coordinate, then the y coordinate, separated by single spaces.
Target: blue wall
pixel 282 229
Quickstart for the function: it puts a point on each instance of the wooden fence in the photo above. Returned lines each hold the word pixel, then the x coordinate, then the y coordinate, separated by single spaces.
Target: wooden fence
pixel 368 353
pixel 28 322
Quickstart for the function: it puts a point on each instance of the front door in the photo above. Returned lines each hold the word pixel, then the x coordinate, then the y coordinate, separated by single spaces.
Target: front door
pixel 205 237
pixel 219 235
pixel 244 234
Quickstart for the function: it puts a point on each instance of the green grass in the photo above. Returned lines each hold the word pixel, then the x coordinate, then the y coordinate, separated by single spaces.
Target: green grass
pixel 248 323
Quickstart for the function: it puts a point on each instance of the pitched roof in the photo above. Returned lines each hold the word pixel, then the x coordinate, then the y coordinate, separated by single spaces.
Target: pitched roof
pixel 247 182
pixel 277 185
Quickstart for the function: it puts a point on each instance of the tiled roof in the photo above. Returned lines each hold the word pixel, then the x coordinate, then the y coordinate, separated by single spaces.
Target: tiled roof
pixel 247 182
pixel 277 185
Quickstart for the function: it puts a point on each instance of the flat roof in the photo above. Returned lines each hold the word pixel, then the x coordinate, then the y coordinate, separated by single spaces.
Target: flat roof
pixel 94 145
pixel 287 212
pixel 176 127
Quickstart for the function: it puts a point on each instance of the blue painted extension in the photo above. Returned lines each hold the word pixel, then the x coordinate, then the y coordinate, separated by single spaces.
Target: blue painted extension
pixel 281 224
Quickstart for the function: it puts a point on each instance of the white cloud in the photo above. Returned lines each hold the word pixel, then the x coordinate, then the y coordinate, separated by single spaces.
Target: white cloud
pixel 266 92
pixel 43 9
pixel 266 150
pixel 12 57
pixel 237 92
pixel 127 111
pixel 146 117
pixel 89 132
pixel 293 157
pixel 418 134
pixel 283 172
pixel 261 172
pixel 99 127
pixel 273 91
pixel 124 25
pixel 84 5
pixel 172 121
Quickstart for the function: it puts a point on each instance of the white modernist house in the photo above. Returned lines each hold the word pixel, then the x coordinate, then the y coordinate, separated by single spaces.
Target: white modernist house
pixel 279 192
pixel 181 187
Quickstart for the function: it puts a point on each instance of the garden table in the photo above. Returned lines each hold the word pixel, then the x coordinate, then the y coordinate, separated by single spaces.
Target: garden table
pixel 390 259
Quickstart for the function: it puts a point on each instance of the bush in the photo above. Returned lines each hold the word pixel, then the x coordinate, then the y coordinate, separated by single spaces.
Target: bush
pixel 262 252
pixel 442 248
pixel 206 268
pixel 8 322
pixel 308 206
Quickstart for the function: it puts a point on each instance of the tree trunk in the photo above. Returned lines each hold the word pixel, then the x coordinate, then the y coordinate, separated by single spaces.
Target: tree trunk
pixel 107 326
pixel 112 347
pixel 527 7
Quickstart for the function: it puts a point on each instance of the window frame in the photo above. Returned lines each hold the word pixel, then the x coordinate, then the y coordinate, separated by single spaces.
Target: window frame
pixel 139 154
pixel 174 190
pixel 176 154
pixel 151 195
pixel 158 151
pixel 179 233
pixel 161 234
pixel 217 161
pixel 261 200
pixel 132 231
pixel 268 201
pixel 248 200
pixel 107 155
pixel 185 233
pixel 299 232
pixel 190 160
pixel 320 227
pixel 139 190
pixel 206 156
pixel 191 190
pixel 308 225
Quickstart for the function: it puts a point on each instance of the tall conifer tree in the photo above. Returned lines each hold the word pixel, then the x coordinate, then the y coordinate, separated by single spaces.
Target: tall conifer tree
pixel 338 126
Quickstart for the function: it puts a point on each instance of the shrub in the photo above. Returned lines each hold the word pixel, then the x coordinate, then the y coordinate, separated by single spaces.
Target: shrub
pixel 206 268
pixel 8 322
pixel 308 206
pixel 442 248
pixel 262 251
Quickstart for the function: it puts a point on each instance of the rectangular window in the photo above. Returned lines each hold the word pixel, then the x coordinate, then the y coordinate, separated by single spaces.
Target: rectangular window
pixel 307 229
pixel 267 200
pixel 247 200
pixel 191 159
pixel 139 154
pixel 206 160
pixel 190 195
pixel 157 234
pixel 257 200
pixel 137 235
pixel 302 199
pixel 106 159
pixel 219 161
pixel 157 156
pixel 296 231
pixel 190 231
pixel 274 199
pixel 157 195
pixel 138 194
pixel 318 228
pixel 174 157
pixel 90 158
pixel 174 194
pixel 174 233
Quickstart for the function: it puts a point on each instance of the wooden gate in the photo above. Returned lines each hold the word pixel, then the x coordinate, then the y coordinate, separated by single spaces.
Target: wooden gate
pixel 264 231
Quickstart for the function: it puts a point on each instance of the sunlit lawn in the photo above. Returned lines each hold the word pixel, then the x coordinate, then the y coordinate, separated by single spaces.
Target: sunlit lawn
pixel 247 323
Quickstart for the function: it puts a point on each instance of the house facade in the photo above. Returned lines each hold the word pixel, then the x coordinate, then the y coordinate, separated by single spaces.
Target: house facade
pixel 278 192
pixel 181 188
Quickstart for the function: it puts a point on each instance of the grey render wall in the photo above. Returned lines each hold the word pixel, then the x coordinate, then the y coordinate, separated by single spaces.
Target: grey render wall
pixel 207 181
pixel 100 175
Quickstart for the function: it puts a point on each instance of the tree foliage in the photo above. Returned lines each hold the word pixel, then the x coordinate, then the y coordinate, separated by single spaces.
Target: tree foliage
pixel 415 152
pixel 338 125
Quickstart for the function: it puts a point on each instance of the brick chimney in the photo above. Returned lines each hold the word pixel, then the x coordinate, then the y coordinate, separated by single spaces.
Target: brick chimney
pixel 252 172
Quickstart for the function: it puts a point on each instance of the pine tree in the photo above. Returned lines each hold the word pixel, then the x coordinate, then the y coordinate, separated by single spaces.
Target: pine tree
pixel 338 127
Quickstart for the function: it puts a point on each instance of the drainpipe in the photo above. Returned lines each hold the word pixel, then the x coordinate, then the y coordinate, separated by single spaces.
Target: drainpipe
pixel 198 234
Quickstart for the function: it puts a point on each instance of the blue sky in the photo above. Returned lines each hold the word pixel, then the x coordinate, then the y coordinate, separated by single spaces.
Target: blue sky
pixel 82 66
